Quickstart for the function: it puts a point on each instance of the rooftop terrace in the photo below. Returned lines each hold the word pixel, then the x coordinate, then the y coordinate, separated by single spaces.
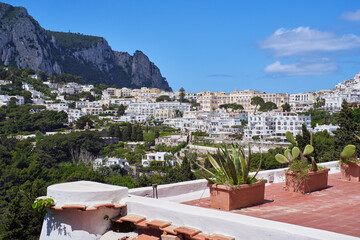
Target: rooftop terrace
pixel 332 209
pixel 182 212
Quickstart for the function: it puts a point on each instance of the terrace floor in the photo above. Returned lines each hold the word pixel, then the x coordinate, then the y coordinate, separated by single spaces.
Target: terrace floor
pixel 332 209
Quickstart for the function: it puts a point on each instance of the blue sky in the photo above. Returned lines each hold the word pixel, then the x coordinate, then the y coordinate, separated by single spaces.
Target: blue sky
pixel 272 46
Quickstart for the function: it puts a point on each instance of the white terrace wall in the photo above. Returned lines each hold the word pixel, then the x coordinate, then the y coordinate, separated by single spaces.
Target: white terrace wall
pixel 211 221
pixel 189 190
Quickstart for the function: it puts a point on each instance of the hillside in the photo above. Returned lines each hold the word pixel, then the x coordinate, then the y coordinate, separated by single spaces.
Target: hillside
pixel 25 44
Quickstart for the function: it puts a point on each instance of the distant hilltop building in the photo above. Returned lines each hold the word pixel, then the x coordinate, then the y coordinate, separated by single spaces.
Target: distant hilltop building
pixel 353 83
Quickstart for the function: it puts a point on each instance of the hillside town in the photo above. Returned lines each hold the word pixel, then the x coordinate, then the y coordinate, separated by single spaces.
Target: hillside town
pixel 217 113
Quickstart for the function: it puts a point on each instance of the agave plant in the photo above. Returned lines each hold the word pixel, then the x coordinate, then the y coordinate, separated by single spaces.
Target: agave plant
pixel 291 155
pixel 348 155
pixel 231 168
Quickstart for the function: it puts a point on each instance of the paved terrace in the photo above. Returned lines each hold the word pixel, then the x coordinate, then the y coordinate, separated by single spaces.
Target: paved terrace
pixel 333 209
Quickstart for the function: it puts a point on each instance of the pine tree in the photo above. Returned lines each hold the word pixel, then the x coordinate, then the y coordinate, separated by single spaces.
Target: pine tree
pixel 133 133
pixel 126 133
pixel 157 134
pixel 121 110
pixel 185 170
pixel 117 133
pixel 345 134
pixel 303 139
pixel 139 134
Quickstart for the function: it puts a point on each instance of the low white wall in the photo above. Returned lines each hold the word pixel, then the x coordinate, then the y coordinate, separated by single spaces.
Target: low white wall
pixel 214 221
pixel 177 192
pixel 190 190
pixel 277 175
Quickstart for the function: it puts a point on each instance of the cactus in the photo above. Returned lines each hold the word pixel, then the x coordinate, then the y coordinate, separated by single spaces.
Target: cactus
pixel 292 155
pixel 232 168
pixel 348 155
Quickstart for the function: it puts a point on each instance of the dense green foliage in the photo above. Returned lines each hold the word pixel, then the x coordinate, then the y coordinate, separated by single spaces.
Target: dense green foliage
pixel 233 106
pixel 15 119
pixel 26 169
pixel 348 127
pixel 128 132
pixel 73 41
pixel 268 106
pixel 320 117
pixel 163 98
pixel 286 107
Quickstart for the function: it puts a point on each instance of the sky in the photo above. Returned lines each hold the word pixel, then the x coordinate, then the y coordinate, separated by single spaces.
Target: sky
pixel 271 46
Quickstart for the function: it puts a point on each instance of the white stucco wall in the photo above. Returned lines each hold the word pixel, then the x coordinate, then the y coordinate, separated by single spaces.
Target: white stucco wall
pixel 211 221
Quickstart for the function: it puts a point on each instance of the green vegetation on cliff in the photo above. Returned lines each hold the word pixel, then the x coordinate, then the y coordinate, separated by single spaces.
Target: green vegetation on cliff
pixel 73 41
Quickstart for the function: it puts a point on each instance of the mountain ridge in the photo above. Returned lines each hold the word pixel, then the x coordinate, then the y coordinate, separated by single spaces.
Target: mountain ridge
pixel 25 44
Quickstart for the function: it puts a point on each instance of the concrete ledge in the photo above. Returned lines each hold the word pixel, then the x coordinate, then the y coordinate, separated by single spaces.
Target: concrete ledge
pixel 190 190
pixel 214 221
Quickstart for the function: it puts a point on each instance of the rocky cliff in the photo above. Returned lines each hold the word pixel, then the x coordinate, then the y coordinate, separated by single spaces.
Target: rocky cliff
pixel 25 44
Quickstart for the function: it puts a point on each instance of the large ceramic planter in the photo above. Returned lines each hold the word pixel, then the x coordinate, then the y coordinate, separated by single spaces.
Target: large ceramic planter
pixel 350 172
pixel 230 197
pixel 313 182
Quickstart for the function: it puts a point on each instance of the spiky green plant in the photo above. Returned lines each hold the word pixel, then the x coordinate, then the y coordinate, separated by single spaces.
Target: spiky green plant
pixel 348 155
pixel 292 155
pixel 231 168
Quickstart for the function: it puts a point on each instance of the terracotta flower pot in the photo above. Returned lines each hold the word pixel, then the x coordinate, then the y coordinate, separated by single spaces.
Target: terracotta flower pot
pixel 350 172
pixel 229 197
pixel 314 181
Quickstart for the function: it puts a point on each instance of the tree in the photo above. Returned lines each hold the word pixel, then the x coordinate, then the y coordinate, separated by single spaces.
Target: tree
pixel 268 106
pixel 286 107
pixel 320 102
pixel 345 134
pixel 126 133
pixel 103 86
pixel 43 76
pixel 256 101
pixel 13 102
pixel 157 134
pixel 233 106
pixel 133 133
pixel 83 121
pixel 163 98
pixel 139 134
pixel 303 139
pixel 121 110
pixel 178 113
pixel 182 95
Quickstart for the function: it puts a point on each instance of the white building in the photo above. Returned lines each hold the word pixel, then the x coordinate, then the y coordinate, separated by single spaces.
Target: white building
pixel 329 128
pixel 5 100
pixel 74 115
pixel 274 125
pixel 301 102
pixel 36 94
pixel 108 162
pixel 150 108
pixel 87 104
pixel 57 106
pixel 92 110
pixel 132 118
pixel 159 157
pixel 27 86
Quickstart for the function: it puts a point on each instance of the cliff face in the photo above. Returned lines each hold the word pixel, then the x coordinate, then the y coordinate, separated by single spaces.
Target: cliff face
pixel 25 44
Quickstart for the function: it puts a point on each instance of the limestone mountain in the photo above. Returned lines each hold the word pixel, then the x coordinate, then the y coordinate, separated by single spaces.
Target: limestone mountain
pixel 25 44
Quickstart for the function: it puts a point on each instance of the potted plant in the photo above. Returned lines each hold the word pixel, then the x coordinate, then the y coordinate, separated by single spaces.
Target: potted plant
pixel 301 175
pixel 349 164
pixel 231 186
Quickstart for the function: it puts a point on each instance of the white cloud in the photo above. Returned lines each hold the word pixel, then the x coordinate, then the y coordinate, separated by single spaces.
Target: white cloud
pixel 306 41
pixel 303 68
pixel 351 16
